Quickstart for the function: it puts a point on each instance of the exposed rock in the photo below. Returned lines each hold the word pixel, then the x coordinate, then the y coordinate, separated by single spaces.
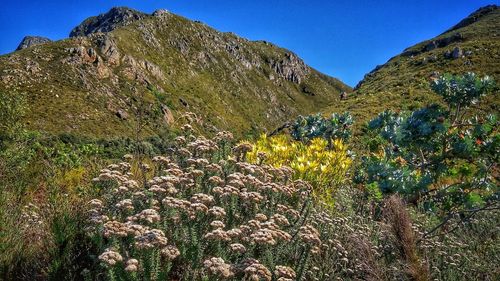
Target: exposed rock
pixel 136 69
pixel 153 69
pixel 410 53
pixel 122 114
pixel 108 48
pixel 431 46
pixel 181 44
pixel 291 68
pixel 434 44
pixel 167 114
pixel 84 55
pixel 161 13
pixel 115 18
pixel 29 41
pixel 148 34
pixel 32 67
pixel 457 53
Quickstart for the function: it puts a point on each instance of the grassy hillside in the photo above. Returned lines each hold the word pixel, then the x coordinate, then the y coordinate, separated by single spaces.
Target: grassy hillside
pixel 403 82
pixel 157 68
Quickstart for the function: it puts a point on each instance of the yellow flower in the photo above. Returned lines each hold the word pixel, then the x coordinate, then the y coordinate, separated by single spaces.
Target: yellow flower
pixel 325 169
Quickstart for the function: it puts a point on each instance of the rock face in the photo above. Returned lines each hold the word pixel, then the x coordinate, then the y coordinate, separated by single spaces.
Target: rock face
pixel 457 53
pixel 434 44
pixel 291 68
pixel 29 41
pixel 116 17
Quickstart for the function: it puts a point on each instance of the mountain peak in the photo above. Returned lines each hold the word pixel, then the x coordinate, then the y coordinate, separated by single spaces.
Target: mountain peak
pixel 105 72
pixel 29 41
pixel 114 18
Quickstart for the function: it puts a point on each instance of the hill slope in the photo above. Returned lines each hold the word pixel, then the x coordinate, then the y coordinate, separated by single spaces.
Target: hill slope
pixel 125 64
pixel 403 81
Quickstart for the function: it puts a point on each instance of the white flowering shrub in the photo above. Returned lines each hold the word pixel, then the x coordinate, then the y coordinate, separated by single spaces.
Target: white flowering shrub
pixel 201 214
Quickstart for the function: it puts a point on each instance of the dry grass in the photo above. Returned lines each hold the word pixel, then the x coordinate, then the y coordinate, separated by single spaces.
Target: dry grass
pixel 399 222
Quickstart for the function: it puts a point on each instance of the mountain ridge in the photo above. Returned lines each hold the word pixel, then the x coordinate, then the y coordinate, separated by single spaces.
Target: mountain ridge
pixel 168 62
pixel 403 82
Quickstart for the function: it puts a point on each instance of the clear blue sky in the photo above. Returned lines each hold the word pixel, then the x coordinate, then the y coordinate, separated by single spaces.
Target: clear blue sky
pixel 343 38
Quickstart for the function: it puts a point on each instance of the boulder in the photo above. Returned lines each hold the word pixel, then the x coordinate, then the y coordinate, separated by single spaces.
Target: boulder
pixel 167 114
pixel 457 53
pixel 122 114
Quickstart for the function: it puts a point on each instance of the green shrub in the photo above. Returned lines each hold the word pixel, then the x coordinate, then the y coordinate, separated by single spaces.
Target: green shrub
pixel 338 126
pixel 437 154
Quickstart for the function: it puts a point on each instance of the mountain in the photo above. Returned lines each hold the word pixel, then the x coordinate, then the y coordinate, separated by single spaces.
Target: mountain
pixel 125 69
pixel 29 41
pixel 403 82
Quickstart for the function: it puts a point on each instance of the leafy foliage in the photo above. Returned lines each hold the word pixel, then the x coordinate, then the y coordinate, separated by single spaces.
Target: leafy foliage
pixel 462 91
pixel 437 152
pixel 338 126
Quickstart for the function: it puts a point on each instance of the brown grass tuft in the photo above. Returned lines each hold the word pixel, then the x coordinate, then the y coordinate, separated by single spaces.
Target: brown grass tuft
pixel 370 269
pixel 399 222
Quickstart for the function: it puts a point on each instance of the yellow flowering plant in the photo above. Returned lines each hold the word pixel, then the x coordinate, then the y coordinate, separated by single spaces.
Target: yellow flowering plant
pixel 323 167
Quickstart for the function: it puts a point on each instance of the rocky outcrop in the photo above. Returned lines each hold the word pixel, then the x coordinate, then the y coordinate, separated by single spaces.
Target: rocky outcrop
pixel 87 55
pixel 161 13
pixel 290 68
pixel 29 41
pixel 457 53
pixel 108 48
pixel 115 18
pixel 434 44
pixel 136 69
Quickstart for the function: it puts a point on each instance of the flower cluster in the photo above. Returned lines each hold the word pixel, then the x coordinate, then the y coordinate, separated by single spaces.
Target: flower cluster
pixel 324 166
pixel 204 207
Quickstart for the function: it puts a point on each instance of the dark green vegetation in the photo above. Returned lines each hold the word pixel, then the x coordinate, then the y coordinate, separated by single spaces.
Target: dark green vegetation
pixel 435 156
pixel 338 126
pixel 167 65
pixel 402 83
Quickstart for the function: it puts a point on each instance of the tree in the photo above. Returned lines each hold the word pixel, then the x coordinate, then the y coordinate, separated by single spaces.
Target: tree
pixel 435 155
